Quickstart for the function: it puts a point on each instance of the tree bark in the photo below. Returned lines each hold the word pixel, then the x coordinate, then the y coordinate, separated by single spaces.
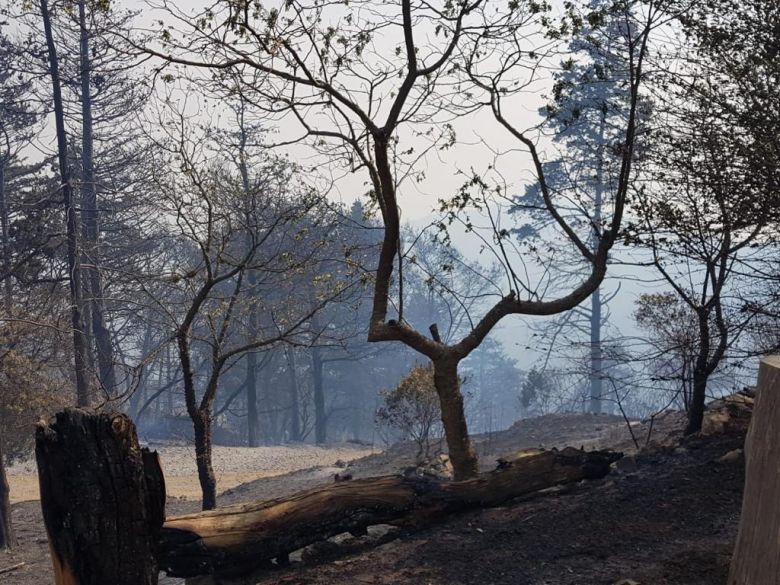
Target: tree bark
pixel 320 417
pixel 295 415
pixel 206 477
pixel 756 559
pixel 251 399
pixel 83 393
pixel 453 417
pixel 236 540
pixel 7 537
pixel 698 403
pixel 596 358
pixel 4 240
pixel 701 374
pixel 90 214
pixel 103 499
pixel 251 358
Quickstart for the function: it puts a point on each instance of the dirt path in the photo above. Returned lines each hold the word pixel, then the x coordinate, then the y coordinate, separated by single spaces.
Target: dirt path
pixel 233 466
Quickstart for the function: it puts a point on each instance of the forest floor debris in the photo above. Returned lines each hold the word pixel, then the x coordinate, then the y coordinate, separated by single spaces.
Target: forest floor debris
pixel 668 518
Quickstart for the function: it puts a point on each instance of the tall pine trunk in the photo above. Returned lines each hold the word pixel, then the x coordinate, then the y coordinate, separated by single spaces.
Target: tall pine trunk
pixel 83 394
pixel 90 219
pixel 320 416
pixel 596 358
pixel 251 399
pixel 4 241
pixel 295 406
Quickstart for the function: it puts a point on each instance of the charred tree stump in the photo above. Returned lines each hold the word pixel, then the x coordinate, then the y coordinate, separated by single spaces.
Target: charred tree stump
pixel 236 540
pixel 756 559
pixel 103 499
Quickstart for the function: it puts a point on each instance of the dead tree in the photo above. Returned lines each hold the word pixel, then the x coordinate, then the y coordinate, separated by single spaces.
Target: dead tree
pixel 103 499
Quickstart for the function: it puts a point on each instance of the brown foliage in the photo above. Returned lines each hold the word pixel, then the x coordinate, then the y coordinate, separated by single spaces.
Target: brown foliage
pixel 412 409
pixel 27 394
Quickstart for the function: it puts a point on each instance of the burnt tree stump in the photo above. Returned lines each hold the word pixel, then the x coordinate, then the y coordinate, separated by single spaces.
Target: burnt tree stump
pixel 756 559
pixel 103 499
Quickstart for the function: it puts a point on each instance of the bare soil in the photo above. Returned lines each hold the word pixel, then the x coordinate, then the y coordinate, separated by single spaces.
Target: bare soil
pixel 666 516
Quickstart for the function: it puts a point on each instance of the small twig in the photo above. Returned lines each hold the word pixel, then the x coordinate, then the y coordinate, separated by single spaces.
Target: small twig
pixel 623 412
pixel 12 567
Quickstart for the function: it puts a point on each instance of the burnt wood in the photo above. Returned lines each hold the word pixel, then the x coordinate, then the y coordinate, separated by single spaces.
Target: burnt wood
pixel 103 499
pixel 236 540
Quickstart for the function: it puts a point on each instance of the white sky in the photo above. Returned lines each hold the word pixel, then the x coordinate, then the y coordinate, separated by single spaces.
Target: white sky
pixel 419 200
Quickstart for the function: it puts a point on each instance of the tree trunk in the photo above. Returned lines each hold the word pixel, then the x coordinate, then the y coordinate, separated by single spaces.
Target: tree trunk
pixel 236 540
pixel 251 358
pixel 83 394
pixel 698 403
pixel 701 374
pixel 596 358
pixel 103 499
pixel 756 559
pixel 462 454
pixel 139 396
pixel 208 482
pixel 251 399
pixel 7 538
pixel 295 415
pixel 90 215
pixel 320 417
pixel 4 240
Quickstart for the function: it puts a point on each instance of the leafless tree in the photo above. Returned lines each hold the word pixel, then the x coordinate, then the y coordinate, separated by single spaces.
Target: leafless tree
pixel 322 66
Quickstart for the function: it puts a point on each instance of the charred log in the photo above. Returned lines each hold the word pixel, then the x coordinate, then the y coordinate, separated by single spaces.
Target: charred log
pixel 236 540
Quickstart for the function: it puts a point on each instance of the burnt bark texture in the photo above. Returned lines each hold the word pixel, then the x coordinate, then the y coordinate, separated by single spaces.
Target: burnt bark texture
pixel 7 538
pixel 756 558
pixel 103 499
pixel 237 540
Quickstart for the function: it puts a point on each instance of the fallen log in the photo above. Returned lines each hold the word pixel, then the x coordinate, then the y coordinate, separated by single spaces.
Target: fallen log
pixel 236 540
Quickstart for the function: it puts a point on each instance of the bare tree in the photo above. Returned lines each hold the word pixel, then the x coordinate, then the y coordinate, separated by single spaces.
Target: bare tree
pixel 225 233
pixel 356 101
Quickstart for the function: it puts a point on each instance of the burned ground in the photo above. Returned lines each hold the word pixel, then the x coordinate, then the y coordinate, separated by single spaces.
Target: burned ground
pixel 666 516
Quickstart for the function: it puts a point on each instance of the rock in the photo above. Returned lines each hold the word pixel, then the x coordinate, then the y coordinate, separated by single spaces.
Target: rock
pixel 734 456
pixel 627 582
pixel 730 414
pixel 626 464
